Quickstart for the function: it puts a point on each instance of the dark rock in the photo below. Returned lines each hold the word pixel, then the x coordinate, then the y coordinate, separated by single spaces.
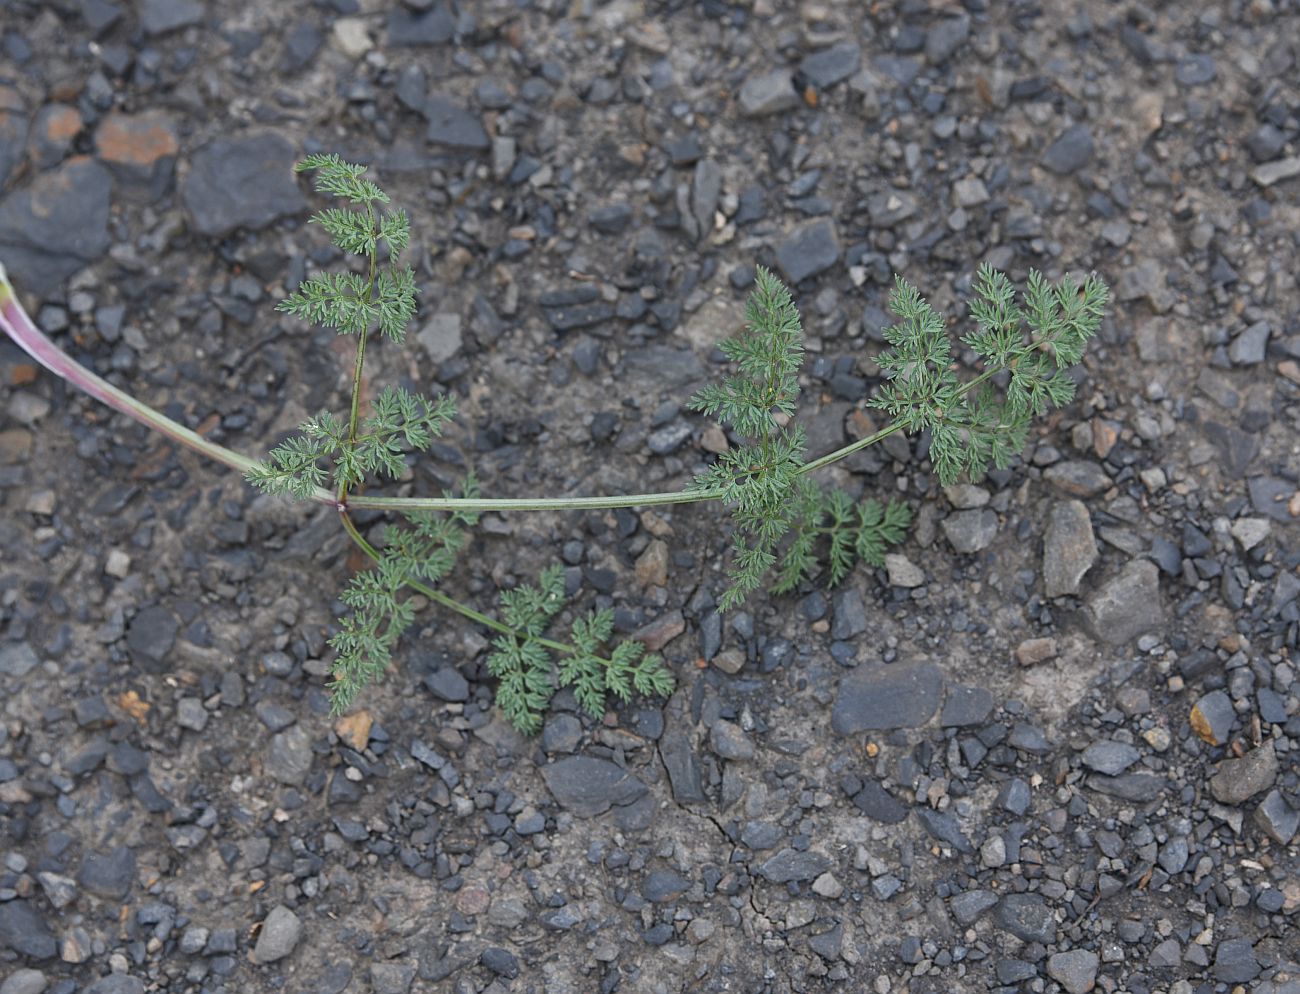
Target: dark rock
pixel 1069 548
pixel 966 706
pixel 117 983
pixel 17 659
pixel 1075 970
pixel 1070 152
pixel 158 17
pixel 730 741
pixel 1238 780
pixel 1269 496
pixel 790 864
pixel 435 26
pixel 243 182
pixel 289 758
pixel 454 126
pixel 1195 70
pixel 24 982
pixel 108 875
pixel 151 635
pixel 1014 796
pixel 56 225
pixel 947 35
pixel 24 931
pixel 828 944
pixel 611 219
pixel 972 530
pixel 500 961
pixel 1027 917
pixel 969 905
pixel 1277 818
pixel 588 786
pixel 810 249
pixel 832 65
pixel 447 684
pixel 1127 605
pixel 1029 738
pixel 1264 143
pixel 768 93
pixel 878 804
pixel 1212 717
pixel 1249 347
pixel 1110 758
pixel 1077 478
pixel 13 132
pixel 663 886
pixel 882 699
pixel 943 825
pixel 391 978
pixel 301 45
pixel 1130 786
pixel 561 733
pixel 850 615
pixel 683 769
pixel 1235 962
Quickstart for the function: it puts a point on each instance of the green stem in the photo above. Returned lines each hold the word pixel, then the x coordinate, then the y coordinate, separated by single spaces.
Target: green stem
pixel 451 603
pixel 360 363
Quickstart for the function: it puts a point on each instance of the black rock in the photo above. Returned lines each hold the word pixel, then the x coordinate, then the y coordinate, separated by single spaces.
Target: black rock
pixel 447 684
pixel 944 826
pixel 56 225
pixel 454 126
pixel 1070 152
pixel 25 932
pixel 662 886
pixel 683 769
pixel 1130 786
pixel 500 961
pixel 969 905
pixel 882 699
pixel 810 249
pixel 244 182
pixel 151 634
pixel 158 17
pixel 1110 758
pixel 966 706
pixel 1027 917
pixel 435 26
pixel 588 786
pixel 828 944
pixel 1235 963
pixel 301 45
pixel 790 864
pixel 611 219
pixel 108 875
pixel 832 65
pixel 878 804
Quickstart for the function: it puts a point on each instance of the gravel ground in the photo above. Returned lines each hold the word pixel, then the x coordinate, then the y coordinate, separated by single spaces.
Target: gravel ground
pixel 1052 747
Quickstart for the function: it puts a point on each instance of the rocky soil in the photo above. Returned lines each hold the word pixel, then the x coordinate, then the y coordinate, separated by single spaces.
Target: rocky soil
pixel 1054 746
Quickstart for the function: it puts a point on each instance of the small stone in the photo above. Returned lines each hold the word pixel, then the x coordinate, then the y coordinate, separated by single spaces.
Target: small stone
pixel 971 531
pixel 970 905
pixel 279 935
pixel 1110 758
pixel 1165 955
pixel 966 706
pixel 943 40
pixel 109 875
pixel 791 865
pixel 289 758
pixel 879 804
pixel 140 151
pixel 24 931
pixel 588 786
pixel 832 65
pixel 431 24
pixel 1238 780
pixel 116 983
pixel 663 886
pixel 828 887
pixel 243 182
pixel 993 853
pixel 1277 818
pixel 1075 970
pixel 768 93
pixel 970 192
pixel 561 733
pixel 1070 152
pixel 1249 347
pixel 884 699
pixel 903 572
pixel 1128 605
pixel 118 564
pixel 441 337
pixel 1276 171
pixel 500 961
pixel 1077 478
pixel 943 825
pixel 652 565
pixel 351 36
pixel 391 978
pixel 730 741
pixel 24 982
pixel 448 684
pixel 1027 917
pixel 1031 652
pixel 17 659
pixel 808 250
pixel 1235 962
pixel 191 714
pixel 1212 717
pixel 1069 548
pixel 453 125
pixel 159 17
pixel 730 661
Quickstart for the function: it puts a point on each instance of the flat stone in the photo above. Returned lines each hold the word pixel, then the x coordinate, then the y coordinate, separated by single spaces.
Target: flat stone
pixel 56 225
pixel 435 25
pixel 903 572
pixel 969 905
pixel 1238 780
pixel 683 767
pixel 947 35
pixel 1129 786
pixel 24 981
pixel 1127 605
pixel 883 699
pixel 191 714
pixel 160 17
pixel 1235 962
pixel 13 132
pixel 943 825
pixel 242 182
pixel 971 531
pixel 1077 478
pixel 891 207
pixel 966 706
pixel 1110 758
pixel 832 65
pixel 448 684
pixel 117 983
pixel 730 741
pixel 392 978
pixel 1249 347
pixel 809 249
pixel 1276 171
pixel 289 758
pixel 879 804
pixel 791 864
pixel 1075 970
pixel 108 875
pixel 1070 152
pixel 588 786
pixel 1027 917
pixel 1165 955
pixel 970 192
pixel 1212 717
pixel 1277 818
pixel 664 886
pixel 1069 548
pixel 23 930
pixel 768 93
pixel 280 933
pixel 453 125
pixel 140 151
pixel 17 659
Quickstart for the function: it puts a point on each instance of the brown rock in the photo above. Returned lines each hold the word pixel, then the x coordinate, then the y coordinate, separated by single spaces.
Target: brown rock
pixel 1031 652
pixel 140 151
pixel 652 565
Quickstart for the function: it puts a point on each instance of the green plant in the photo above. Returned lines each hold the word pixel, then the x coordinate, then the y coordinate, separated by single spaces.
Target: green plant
pixel 783 521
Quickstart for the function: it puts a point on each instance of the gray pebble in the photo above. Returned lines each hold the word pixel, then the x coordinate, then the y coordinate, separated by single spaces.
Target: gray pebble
pixel 1075 970
pixel 1070 152
pixel 279 935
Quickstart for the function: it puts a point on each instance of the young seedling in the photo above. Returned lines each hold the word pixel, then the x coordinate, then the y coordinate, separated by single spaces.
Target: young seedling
pixel 783 521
